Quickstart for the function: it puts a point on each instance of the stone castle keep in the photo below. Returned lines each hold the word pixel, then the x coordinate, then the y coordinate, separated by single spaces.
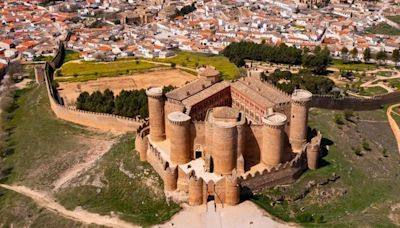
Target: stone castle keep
pixel 215 140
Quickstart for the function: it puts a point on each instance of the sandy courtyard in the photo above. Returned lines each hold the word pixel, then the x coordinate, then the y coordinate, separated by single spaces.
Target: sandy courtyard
pixel 71 90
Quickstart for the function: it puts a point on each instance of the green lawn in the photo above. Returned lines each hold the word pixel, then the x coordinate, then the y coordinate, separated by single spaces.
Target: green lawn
pixel 192 60
pixel 353 66
pixel 383 29
pixel 136 195
pixel 384 73
pixel 394 18
pixel 373 91
pixel 367 187
pixel 394 83
pixel 71 55
pixel 92 70
pixel 47 58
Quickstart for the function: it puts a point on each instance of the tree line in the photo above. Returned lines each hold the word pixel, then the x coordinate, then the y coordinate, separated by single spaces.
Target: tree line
pixel 129 103
pixel 316 60
pixel 288 82
pixel 185 10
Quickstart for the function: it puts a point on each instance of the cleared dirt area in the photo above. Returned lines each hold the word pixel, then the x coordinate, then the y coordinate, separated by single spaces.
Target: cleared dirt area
pixel 71 90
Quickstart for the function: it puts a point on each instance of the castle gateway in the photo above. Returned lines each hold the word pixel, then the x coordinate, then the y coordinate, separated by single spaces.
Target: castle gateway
pixel 213 140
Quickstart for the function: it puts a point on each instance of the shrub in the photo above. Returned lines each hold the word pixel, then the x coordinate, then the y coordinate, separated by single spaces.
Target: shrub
pixel 305 218
pixel 357 151
pixel 366 145
pixel 348 114
pixel 338 119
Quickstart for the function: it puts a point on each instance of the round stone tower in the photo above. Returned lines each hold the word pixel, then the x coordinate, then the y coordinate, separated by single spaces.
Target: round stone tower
pixel 312 156
pixel 273 139
pixel 232 190
pixel 225 123
pixel 179 124
pixel 156 113
pixel 224 148
pixel 299 117
pixel 195 191
pixel 170 178
pixel 141 144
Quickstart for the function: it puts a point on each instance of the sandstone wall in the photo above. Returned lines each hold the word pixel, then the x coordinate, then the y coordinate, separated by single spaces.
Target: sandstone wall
pixel 280 174
pixel 353 103
pixel 102 121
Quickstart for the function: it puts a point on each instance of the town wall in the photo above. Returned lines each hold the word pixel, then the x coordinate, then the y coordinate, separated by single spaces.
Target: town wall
pixel 101 121
pixel 354 103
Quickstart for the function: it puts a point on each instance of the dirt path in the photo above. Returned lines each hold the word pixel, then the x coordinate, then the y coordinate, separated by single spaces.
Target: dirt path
pixel 245 214
pixel 98 147
pixel 46 201
pixel 393 125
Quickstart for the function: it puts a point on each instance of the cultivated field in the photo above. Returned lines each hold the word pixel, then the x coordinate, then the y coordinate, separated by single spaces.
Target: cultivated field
pixel 71 90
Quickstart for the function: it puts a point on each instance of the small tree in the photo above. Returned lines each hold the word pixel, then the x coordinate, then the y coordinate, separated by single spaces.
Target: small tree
pixel 381 57
pixel 344 52
pixel 348 113
pixel 367 54
pixel 173 65
pixel 396 56
pixel 354 53
pixel 338 119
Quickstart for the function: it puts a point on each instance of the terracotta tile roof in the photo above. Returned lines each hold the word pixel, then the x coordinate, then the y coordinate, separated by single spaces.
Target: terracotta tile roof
pixel 203 94
pixel 189 89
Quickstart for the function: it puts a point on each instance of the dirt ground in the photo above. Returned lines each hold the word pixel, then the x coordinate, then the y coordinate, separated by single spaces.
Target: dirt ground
pixel 71 90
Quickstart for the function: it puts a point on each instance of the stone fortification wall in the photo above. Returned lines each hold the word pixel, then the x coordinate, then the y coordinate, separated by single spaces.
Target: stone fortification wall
pixel 280 174
pixel 353 103
pixel 102 121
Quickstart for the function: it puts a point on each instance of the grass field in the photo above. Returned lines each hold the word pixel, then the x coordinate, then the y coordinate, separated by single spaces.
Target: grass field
pixel 363 154
pixel 192 60
pixel 42 147
pixel 353 66
pixel 47 58
pixel 93 70
pixel 136 194
pixel 394 18
pixel 383 29
pixel 373 91
pixel 71 55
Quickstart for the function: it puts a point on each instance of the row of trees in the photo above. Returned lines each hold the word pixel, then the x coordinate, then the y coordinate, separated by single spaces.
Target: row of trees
pixel 128 103
pixel 185 10
pixel 316 60
pixel 288 82
pixel 380 56
pixel 237 52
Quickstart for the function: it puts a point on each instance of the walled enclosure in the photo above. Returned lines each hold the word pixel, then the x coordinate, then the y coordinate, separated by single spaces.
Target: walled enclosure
pixel 101 121
pixel 221 137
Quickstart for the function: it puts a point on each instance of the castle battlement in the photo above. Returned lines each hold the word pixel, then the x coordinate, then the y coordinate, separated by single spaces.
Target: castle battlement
pixel 210 138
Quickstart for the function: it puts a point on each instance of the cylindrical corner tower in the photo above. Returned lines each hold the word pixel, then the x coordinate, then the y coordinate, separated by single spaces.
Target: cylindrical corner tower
pixel 195 191
pixel 312 156
pixel 170 178
pixel 299 117
pixel 179 124
pixel 232 191
pixel 141 147
pixel 273 139
pixel 224 147
pixel 156 113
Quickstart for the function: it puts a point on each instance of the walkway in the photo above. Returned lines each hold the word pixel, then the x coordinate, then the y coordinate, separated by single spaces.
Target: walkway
pixel 246 214
pixel 393 124
pixel 46 201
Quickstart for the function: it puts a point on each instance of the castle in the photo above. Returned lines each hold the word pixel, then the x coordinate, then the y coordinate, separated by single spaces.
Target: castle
pixel 215 140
